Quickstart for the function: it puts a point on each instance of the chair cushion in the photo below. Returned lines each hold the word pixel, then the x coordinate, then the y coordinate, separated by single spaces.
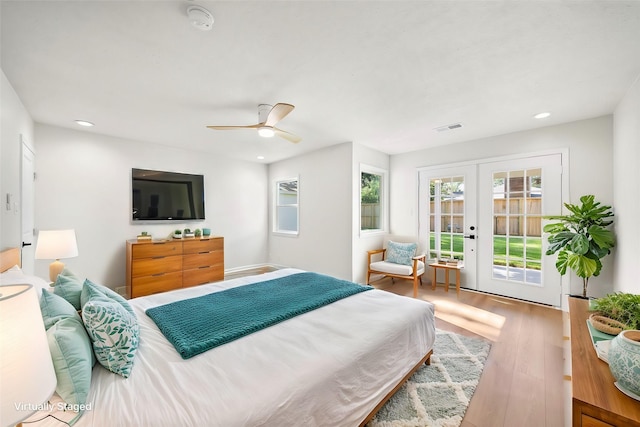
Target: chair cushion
pixel 401 253
pixel 393 268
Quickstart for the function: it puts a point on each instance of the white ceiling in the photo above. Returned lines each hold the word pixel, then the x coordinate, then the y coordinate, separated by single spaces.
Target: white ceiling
pixel 380 73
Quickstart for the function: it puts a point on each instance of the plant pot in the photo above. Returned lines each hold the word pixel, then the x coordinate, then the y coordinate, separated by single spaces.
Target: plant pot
pixel 624 362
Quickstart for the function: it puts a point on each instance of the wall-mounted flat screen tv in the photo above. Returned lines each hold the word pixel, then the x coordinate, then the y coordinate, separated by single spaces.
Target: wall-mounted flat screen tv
pixel 166 196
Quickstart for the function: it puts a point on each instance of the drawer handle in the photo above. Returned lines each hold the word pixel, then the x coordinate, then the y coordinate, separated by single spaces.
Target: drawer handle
pixel 204 266
pixel 158 274
pixel 157 257
pixel 204 252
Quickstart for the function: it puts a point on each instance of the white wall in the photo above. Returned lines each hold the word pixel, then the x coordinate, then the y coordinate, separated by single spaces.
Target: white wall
pixel 16 125
pixel 590 147
pixel 84 182
pixel 626 193
pixel 325 201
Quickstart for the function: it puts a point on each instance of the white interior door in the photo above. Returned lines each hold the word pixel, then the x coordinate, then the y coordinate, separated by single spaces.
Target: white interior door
pixel 27 207
pixel 448 225
pixel 513 195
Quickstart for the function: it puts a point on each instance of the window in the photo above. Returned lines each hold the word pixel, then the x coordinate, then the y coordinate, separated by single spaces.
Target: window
pixel 372 199
pixel 286 206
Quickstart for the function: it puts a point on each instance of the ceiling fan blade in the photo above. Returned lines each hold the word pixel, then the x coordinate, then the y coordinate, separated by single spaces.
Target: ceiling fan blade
pixel 277 113
pixel 256 126
pixel 287 135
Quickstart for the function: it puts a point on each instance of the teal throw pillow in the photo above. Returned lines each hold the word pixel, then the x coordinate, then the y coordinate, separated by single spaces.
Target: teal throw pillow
pixel 73 359
pixel 114 331
pixel 401 253
pixel 69 287
pixel 55 308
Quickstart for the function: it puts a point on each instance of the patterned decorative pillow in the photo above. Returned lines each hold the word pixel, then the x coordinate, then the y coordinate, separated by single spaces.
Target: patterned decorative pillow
pixel 401 253
pixel 114 333
pixel 91 289
pixel 72 358
pixel 55 308
pixel 112 326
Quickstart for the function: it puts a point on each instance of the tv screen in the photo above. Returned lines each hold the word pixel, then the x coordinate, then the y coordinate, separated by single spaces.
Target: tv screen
pixel 166 196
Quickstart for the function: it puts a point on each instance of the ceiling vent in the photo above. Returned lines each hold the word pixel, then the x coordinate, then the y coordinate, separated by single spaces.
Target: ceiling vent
pixel 448 127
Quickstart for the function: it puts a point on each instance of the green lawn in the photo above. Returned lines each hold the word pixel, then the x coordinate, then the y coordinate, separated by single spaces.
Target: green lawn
pixel 515 245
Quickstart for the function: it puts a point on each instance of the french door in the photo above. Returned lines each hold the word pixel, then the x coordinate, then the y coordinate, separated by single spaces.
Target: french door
pixel 448 217
pixel 489 216
pixel 514 195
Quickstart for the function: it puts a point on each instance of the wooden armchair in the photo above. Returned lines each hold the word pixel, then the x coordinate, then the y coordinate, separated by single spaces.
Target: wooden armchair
pixel 410 267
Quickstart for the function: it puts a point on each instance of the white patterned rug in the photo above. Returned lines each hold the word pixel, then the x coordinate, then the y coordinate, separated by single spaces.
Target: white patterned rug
pixel 438 395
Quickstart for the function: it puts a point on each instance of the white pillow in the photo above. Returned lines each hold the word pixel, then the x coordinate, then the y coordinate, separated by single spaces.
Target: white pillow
pixel 15 276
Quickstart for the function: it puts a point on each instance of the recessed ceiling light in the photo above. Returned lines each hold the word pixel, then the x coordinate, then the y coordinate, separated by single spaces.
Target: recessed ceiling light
pixel 542 115
pixel 84 123
pixel 260 157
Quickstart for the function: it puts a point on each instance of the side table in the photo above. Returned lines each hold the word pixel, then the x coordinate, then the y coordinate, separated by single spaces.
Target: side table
pixel 446 268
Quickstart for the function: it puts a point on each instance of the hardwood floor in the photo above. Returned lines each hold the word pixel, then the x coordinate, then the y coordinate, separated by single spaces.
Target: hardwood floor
pixel 522 382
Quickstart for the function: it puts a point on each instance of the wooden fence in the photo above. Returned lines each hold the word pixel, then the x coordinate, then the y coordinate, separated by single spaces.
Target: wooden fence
pixel 507 213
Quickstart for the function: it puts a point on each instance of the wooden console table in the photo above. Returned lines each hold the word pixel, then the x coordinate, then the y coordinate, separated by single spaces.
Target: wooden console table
pixel 596 401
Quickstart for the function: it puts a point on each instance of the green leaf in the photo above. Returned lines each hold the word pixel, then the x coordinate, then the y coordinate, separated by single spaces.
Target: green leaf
pixel 561 262
pixel 581 265
pixel 579 244
pixel 601 236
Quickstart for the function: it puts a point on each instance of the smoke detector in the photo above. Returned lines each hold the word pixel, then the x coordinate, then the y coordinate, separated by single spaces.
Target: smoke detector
pixel 200 17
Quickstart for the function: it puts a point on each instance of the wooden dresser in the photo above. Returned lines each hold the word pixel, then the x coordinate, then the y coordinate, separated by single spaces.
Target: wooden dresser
pixel 596 402
pixel 163 265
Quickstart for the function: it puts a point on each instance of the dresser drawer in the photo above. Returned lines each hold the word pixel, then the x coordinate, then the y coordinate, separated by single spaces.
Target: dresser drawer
pixel 152 250
pixel 148 285
pixel 203 245
pixel 201 276
pixel 151 266
pixel 205 259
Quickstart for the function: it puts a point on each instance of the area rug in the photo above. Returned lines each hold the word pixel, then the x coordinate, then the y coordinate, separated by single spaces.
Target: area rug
pixel 438 395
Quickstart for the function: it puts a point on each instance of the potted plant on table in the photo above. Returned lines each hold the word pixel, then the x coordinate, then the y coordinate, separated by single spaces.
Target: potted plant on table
pixel 581 238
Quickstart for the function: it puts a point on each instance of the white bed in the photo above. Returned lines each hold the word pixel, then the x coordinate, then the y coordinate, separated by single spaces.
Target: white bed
pixel 329 367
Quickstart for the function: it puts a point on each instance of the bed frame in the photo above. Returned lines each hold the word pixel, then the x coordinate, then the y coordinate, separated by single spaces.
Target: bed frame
pixel 11 257
pixel 426 360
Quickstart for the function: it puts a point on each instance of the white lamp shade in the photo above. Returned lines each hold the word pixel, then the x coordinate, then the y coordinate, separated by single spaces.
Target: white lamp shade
pixel 56 244
pixel 26 370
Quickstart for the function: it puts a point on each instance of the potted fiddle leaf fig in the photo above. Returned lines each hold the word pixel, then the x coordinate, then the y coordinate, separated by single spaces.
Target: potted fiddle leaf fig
pixel 581 238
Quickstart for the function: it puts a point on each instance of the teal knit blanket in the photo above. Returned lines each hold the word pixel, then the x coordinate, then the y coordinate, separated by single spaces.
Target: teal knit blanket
pixel 199 324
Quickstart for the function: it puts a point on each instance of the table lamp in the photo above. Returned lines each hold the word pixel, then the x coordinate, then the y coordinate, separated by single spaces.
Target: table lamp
pixel 26 371
pixel 56 244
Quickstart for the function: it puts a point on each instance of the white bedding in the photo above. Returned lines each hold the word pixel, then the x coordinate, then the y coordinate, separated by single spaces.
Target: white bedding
pixel 328 367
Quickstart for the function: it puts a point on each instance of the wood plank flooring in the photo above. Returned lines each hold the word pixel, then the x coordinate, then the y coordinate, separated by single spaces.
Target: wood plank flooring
pixel 522 382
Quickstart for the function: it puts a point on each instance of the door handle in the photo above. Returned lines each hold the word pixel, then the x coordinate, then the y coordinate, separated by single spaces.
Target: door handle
pixel 469 236
pixel 25 244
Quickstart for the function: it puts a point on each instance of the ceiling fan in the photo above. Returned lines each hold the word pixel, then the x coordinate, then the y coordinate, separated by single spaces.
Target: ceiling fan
pixel 268 116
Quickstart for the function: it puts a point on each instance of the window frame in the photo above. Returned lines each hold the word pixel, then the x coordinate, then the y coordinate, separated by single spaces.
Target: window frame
pixel 277 205
pixel 384 199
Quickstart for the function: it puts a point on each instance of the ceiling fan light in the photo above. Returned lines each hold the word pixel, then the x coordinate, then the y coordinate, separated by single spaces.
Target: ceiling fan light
pixel 266 132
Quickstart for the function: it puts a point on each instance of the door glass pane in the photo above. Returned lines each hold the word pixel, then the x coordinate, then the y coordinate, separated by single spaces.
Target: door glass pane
pixel 517 226
pixel 446 217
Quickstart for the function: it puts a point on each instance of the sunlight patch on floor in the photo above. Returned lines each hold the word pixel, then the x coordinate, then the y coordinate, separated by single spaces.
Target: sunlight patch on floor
pixel 473 319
